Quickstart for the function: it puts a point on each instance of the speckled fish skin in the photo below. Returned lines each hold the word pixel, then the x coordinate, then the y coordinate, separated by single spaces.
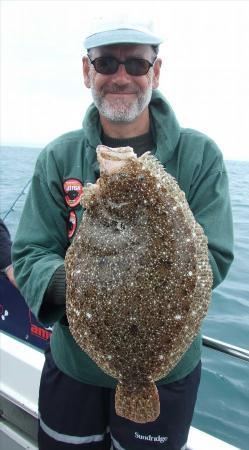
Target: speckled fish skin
pixel 138 278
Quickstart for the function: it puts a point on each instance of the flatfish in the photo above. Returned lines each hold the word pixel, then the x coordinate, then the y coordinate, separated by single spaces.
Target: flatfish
pixel 138 277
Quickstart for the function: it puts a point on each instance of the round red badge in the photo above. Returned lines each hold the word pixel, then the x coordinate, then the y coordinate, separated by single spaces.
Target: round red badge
pixel 73 190
pixel 72 224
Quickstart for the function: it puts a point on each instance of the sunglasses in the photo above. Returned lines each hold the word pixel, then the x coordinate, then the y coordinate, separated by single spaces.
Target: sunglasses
pixel 108 65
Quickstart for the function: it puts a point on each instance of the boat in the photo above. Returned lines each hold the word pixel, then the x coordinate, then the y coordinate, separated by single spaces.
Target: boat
pixel 21 366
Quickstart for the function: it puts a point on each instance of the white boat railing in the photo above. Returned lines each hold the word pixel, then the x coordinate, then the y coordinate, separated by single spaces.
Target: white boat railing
pixel 224 347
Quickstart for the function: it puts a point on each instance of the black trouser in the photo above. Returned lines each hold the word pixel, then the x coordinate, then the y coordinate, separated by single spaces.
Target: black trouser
pixel 78 416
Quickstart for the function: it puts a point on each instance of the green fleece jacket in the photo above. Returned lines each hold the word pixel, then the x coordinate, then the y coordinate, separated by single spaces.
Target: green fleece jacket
pixel 42 238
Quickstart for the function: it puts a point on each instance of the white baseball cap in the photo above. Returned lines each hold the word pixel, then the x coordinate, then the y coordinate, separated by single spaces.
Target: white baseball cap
pixel 121 30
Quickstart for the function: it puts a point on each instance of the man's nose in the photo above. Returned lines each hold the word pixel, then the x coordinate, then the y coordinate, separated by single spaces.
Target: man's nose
pixel 121 76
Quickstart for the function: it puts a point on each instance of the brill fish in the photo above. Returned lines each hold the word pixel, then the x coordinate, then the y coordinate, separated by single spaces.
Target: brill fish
pixel 138 277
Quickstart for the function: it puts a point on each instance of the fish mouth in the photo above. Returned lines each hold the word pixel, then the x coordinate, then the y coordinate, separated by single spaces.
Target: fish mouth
pixel 115 153
pixel 112 159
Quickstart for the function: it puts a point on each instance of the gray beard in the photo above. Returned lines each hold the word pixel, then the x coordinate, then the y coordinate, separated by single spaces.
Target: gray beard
pixel 121 111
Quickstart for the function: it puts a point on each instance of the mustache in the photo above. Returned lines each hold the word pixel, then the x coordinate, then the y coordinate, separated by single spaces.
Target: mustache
pixel 117 89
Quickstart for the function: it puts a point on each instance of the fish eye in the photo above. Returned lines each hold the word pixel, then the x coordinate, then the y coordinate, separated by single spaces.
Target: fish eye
pixel 123 175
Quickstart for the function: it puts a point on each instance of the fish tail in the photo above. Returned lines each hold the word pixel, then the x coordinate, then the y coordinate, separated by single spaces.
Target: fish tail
pixel 140 404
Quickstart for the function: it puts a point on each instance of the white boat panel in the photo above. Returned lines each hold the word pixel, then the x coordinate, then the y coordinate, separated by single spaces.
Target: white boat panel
pixel 12 438
pixel 199 440
pixel 20 373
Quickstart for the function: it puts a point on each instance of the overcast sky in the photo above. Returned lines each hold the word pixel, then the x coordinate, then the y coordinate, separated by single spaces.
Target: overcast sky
pixel 204 75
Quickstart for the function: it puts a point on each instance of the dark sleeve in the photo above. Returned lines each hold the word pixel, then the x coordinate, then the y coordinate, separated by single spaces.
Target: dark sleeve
pixel 55 294
pixel 5 246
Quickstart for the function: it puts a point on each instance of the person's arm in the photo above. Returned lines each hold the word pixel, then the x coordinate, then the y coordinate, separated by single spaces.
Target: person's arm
pixel 209 200
pixel 41 242
pixel 5 253
pixel 5 246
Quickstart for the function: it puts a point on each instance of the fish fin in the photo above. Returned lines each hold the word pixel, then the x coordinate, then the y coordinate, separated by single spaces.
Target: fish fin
pixel 140 404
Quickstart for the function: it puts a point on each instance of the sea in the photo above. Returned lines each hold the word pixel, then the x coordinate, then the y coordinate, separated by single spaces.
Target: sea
pixel 222 407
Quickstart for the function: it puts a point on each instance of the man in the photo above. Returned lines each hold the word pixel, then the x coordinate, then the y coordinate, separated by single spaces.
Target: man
pixel 76 402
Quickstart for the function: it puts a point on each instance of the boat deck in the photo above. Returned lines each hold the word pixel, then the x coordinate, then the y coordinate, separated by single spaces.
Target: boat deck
pixel 21 367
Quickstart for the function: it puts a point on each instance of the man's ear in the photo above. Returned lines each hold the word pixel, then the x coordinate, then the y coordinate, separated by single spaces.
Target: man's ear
pixel 156 73
pixel 86 70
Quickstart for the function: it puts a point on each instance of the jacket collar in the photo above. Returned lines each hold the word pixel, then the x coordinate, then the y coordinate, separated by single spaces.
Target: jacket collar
pixel 165 127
